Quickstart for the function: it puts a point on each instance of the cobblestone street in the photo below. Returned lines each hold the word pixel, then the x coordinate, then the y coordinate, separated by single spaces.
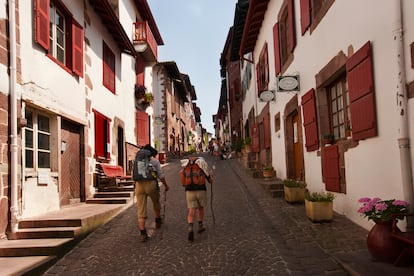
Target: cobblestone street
pixel 253 234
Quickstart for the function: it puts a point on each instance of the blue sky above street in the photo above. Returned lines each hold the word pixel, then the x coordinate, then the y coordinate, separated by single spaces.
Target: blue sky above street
pixel 194 33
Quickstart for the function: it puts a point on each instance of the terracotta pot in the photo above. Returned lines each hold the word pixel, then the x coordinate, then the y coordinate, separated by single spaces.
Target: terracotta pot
pixel 381 245
pixel 267 173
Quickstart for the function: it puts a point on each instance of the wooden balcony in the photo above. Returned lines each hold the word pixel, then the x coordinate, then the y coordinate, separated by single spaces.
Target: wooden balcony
pixel 144 41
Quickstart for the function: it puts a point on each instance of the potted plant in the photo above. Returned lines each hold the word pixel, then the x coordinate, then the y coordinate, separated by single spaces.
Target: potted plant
pixel 319 206
pixel 247 144
pixel 294 190
pixel 268 171
pixel 379 241
pixel 328 139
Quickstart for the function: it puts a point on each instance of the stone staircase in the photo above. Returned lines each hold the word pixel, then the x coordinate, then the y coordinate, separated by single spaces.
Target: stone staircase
pixel 273 185
pixel 52 235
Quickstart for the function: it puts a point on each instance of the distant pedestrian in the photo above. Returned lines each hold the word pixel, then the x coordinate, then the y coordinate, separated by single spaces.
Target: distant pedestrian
pixel 193 178
pixel 149 188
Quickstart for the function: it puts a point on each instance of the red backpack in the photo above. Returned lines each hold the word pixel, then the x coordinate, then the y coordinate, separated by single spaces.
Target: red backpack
pixel 192 174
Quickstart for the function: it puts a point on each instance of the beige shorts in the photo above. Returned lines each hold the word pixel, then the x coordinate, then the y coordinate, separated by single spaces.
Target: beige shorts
pixel 196 199
pixel 143 190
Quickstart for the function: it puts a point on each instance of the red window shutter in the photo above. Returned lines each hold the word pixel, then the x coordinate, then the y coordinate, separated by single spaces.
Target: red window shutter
pixel 108 68
pixel 362 94
pixel 266 67
pixel 291 19
pixel 99 135
pixel 276 48
pixel 140 70
pixel 266 131
pixel 77 46
pixel 330 167
pixel 305 19
pixel 42 23
pixel 142 128
pixel 310 120
pixel 259 86
pixel 255 138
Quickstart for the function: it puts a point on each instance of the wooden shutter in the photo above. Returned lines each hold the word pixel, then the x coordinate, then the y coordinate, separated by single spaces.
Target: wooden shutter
pixel 77 46
pixel 142 128
pixel 330 168
pixel 42 23
pixel 305 19
pixel 99 135
pixel 139 70
pixel 259 86
pixel 362 94
pixel 266 131
pixel 254 133
pixel 291 19
pixel 276 48
pixel 310 120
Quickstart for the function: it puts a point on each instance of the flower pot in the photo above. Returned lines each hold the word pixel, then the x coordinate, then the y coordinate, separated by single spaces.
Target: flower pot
pixel 318 211
pixel 267 173
pixel 381 245
pixel 294 194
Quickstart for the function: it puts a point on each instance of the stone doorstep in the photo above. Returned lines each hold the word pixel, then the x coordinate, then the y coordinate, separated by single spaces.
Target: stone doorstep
pixel 112 200
pixel 35 247
pixel 30 265
pixel 112 194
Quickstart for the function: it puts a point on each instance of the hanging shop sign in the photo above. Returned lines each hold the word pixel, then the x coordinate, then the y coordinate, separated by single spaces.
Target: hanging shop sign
pixel 288 83
pixel 267 96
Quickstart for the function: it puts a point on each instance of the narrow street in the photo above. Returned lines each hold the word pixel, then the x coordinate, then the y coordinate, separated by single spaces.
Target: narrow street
pixel 253 234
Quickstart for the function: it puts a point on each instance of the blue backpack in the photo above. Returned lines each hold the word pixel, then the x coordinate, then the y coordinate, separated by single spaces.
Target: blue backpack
pixel 143 169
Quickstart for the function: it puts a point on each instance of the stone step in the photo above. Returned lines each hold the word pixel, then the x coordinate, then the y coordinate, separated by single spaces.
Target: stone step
pixel 112 200
pixel 42 223
pixel 112 194
pixel 47 233
pixel 35 247
pixel 129 188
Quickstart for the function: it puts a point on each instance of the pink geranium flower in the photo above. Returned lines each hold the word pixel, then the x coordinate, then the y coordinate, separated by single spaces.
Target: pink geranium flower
pixel 382 210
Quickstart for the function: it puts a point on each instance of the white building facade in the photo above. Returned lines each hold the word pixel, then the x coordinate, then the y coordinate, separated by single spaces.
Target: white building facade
pixel 354 66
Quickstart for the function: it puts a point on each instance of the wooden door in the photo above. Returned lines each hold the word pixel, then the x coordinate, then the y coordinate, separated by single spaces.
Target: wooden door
pixel 70 190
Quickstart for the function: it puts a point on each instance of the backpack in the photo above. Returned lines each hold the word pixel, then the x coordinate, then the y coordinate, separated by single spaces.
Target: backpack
pixel 192 174
pixel 143 169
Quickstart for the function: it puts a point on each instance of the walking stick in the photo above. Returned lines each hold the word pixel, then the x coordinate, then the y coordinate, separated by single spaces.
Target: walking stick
pixel 163 214
pixel 211 197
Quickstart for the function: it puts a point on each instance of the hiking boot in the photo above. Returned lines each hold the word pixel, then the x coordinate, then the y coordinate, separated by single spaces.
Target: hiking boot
pixel 144 236
pixel 201 229
pixel 158 222
pixel 191 236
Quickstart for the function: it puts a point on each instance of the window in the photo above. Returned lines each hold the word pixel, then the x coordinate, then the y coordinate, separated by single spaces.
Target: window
pixel 338 98
pixel 102 135
pixel 312 12
pixel 284 37
pixel 37 140
pixel 263 70
pixel 108 68
pixel 59 35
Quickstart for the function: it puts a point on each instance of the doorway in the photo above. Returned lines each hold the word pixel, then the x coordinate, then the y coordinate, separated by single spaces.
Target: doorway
pixel 72 185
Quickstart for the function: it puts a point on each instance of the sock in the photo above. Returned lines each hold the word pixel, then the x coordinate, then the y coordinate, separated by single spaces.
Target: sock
pixel 190 227
pixel 143 232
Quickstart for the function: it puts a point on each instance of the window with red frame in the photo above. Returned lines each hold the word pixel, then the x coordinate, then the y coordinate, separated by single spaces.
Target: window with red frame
pixel 59 35
pixel 108 68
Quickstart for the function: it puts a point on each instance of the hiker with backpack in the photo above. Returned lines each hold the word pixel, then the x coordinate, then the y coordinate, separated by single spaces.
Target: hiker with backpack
pixel 147 171
pixel 193 177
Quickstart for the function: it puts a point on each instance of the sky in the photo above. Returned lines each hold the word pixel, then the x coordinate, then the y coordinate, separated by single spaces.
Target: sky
pixel 194 33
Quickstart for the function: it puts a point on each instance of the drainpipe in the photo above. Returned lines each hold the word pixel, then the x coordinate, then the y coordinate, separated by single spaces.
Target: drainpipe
pixel 14 205
pixel 402 99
